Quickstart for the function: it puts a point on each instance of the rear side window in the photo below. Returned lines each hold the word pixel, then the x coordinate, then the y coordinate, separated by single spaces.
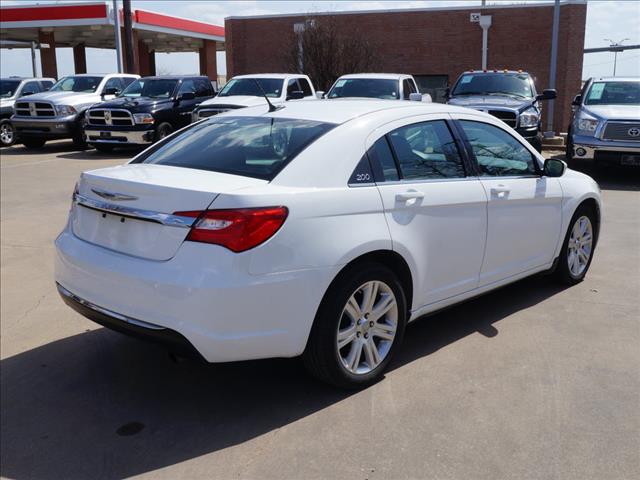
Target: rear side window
pixel 426 150
pixel 382 161
pixel 256 147
pixel 497 152
pixel 46 84
pixel 203 87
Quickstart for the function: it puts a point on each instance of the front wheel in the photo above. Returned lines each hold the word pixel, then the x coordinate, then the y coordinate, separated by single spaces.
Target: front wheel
pixel 7 134
pixel 579 244
pixel 359 326
pixel 163 130
pixel 33 143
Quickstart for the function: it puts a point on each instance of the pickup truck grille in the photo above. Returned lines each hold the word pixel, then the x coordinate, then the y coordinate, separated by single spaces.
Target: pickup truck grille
pixel 627 131
pixel 34 109
pixel 111 117
pixel 206 112
pixel 510 118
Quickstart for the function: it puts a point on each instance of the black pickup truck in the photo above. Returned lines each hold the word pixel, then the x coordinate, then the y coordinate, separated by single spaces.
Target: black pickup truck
pixel 146 111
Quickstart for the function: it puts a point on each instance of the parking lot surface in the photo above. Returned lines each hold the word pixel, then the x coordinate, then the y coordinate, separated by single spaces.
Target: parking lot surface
pixel 534 381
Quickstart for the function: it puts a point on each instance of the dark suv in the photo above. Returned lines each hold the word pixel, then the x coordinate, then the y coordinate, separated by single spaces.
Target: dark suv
pixel 506 94
pixel 146 111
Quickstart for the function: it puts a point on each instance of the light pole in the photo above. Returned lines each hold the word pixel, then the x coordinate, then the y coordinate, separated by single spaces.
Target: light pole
pixel 615 51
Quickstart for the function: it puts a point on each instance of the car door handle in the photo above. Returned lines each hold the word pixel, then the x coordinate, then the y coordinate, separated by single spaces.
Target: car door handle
pixel 409 195
pixel 500 191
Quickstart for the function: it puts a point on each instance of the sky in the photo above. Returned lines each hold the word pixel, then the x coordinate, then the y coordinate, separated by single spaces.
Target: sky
pixel 606 19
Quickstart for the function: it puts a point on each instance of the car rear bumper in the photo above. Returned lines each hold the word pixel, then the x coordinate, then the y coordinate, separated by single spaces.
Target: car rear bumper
pixel 118 137
pixel 224 312
pixel 591 148
pixel 50 127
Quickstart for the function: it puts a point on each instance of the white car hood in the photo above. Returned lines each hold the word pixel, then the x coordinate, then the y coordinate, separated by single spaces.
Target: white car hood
pixel 240 100
pixel 65 98
pixel 614 112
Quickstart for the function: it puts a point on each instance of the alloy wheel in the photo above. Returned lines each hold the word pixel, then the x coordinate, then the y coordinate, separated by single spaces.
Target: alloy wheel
pixel 367 327
pixel 6 134
pixel 580 246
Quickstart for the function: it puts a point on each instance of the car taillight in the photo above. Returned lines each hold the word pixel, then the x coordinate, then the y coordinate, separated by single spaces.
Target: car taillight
pixel 237 229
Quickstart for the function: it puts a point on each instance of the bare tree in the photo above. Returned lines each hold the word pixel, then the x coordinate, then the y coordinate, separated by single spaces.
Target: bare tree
pixel 324 51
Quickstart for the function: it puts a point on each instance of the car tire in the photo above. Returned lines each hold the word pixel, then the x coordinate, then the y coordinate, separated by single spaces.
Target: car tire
pixel 101 147
pixel 163 130
pixel 568 154
pixel 7 134
pixel 349 366
pixel 33 143
pixel 578 247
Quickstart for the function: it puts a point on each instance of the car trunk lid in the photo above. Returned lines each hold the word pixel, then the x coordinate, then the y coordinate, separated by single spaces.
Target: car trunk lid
pixel 129 208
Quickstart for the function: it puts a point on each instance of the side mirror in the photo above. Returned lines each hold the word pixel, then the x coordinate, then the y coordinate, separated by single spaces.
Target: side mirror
pixel 554 167
pixel 320 94
pixel 186 96
pixel 415 97
pixel 110 91
pixel 295 95
pixel 577 100
pixel 547 94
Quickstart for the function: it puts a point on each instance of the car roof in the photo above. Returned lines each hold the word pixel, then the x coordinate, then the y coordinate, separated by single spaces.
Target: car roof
pixel 339 111
pixel 392 76
pixel 271 75
pixel 616 79
pixel 172 77
pixel 21 79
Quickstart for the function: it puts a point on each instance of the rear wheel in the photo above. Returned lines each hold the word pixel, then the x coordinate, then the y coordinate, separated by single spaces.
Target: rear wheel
pixel 568 154
pixel 33 143
pixel 579 244
pixel 359 326
pixel 163 130
pixel 7 134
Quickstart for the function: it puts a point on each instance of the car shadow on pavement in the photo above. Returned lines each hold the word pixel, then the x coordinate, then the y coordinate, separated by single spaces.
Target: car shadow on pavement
pixel 99 404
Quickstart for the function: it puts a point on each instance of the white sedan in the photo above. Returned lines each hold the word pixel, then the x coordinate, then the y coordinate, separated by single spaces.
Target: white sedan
pixel 319 229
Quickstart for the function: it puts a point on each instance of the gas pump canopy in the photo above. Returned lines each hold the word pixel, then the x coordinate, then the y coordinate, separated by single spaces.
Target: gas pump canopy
pixel 81 25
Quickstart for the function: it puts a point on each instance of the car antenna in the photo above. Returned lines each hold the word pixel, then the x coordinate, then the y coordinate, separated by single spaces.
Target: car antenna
pixel 272 107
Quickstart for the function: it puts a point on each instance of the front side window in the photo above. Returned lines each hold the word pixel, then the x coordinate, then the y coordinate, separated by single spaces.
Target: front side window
pixel 305 87
pixel 497 152
pixel 8 88
pixel 510 84
pixel 114 82
pixel 256 147
pixel 254 87
pixel 80 84
pixel 426 150
pixel 187 87
pixel 152 88
pixel 613 93
pixel 365 88
pixel 408 88
pixel 46 84
pixel 31 87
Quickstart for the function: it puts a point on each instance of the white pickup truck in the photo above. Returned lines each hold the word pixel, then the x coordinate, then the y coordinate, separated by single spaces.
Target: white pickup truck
pixel 385 86
pixel 59 112
pixel 249 91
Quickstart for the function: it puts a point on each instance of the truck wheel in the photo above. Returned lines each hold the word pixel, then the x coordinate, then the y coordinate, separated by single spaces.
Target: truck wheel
pixel 101 147
pixel 33 143
pixel 163 130
pixel 568 154
pixel 7 134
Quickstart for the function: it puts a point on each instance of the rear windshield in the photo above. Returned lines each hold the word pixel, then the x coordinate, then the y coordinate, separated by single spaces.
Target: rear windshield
pixel 366 88
pixel 256 147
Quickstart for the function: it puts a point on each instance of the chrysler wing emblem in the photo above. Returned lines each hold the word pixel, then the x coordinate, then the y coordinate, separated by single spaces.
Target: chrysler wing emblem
pixel 634 132
pixel 118 197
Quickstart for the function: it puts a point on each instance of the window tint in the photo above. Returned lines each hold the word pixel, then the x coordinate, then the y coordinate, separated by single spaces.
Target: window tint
pixel 187 86
pixel 292 86
pixel 33 87
pixel 203 87
pixel 382 161
pixel 126 81
pixel 46 84
pixel 408 88
pixel 497 152
pixel 249 146
pixel 426 151
pixel 113 83
pixel 305 86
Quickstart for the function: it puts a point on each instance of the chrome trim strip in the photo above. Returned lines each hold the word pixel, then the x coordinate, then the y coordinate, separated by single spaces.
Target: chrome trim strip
pixel 148 215
pixel 66 293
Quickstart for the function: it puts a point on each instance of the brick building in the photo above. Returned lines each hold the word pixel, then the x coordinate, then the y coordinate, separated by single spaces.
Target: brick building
pixel 435 45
